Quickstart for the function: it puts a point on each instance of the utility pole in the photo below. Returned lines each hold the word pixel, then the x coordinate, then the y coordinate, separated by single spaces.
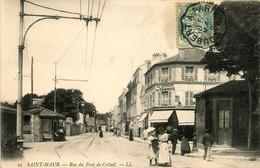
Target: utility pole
pixel 22 36
pixel 55 81
pixel 32 82
pixel 19 130
pixel 55 84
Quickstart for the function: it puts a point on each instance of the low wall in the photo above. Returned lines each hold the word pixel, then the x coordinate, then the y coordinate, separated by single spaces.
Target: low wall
pixel 73 129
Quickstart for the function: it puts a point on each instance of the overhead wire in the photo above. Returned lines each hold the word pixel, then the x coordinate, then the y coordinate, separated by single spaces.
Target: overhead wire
pixel 88 7
pixel 71 44
pixel 92 7
pixel 86 57
pixel 58 10
pixel 102 10
pixel 93 48
pixel 98 7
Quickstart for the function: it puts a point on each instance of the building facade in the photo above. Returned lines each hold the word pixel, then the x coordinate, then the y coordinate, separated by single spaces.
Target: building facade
pixel 170 86
pixel 135 97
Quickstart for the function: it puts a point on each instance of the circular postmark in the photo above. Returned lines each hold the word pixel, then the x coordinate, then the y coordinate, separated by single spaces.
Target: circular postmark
pixel 197 25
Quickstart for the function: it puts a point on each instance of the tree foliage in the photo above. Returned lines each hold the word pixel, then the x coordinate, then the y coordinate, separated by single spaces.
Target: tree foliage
pixel 237 47
pixel 68 102
pixel 236 35
pixel 27 101
pixel 104 117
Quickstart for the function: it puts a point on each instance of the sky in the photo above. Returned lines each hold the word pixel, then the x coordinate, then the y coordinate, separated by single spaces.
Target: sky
pixel 129 32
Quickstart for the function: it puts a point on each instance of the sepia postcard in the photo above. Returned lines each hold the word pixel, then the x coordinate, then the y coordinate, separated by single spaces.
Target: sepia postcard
pixel 130 84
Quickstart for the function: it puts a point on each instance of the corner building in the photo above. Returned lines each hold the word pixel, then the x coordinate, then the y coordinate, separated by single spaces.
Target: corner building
pixel 170 86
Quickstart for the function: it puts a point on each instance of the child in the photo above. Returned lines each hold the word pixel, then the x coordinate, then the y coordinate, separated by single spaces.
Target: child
pixel 153 147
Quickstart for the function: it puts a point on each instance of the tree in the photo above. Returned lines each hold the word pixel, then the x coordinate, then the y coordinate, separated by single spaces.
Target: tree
pixel 67 102
pixel 236 45
pixel 27 101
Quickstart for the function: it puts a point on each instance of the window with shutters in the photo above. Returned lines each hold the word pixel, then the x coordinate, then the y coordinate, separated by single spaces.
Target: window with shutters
pixel 165 75
pixel 153 97
pixel 165 98
pixel 151 100
pixel 189 74
pixel 170 74
pixel 170 98
pixel 177 98
pixel 211 77
pixel 189 99
pixel 159 98
pixel 159 75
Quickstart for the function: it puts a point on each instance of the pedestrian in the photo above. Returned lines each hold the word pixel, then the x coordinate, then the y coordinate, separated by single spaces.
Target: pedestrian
pixel 101 134
pixel 131 138
pixel 164 157
pixel 207 141
pixel 173 139
pixel 153 147
pixel 145 134
pixel 185 146
pixel 119 132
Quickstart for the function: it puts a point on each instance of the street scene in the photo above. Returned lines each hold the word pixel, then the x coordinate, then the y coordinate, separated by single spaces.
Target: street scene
pixel 117 84
pixel 111 151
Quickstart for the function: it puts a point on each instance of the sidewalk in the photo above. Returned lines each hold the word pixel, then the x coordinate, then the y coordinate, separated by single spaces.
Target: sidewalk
pixel 217 151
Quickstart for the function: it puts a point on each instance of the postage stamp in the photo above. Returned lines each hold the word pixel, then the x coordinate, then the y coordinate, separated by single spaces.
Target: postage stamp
pixel 195 25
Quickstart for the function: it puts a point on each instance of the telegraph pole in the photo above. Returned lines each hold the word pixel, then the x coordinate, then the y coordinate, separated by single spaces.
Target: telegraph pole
pixel 22 36
pixel 55 85
pixel 19 130
pixel 32 81
pixel 55 81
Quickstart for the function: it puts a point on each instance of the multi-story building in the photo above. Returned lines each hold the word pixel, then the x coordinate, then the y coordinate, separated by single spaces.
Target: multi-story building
pixel 122 125
pixel 170 86
pixel 135 86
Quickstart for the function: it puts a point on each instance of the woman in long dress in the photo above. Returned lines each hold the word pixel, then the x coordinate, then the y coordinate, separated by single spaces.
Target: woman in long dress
pixel 153 147
pixel 185 146
pixel 164 152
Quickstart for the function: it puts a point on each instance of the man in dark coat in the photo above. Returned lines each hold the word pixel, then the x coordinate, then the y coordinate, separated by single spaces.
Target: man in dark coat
pixel 173 139
pixel 131 138
pixel 101 134
pixel 207 141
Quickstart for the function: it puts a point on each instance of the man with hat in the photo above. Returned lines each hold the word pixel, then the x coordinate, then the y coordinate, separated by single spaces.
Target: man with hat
pixel 207 141
pixel 173 139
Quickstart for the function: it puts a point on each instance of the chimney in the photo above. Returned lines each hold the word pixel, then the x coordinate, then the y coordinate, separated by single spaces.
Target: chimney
pixel 148 63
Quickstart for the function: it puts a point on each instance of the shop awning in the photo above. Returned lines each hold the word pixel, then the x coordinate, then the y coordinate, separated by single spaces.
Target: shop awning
pixel 143 117
pixel 185 117
pixel 160 116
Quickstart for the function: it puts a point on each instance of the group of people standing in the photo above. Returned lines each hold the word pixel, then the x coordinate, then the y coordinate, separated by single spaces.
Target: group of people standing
pixel 161 147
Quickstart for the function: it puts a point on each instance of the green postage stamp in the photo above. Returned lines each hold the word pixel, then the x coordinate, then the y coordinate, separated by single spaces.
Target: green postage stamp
pixel 195 25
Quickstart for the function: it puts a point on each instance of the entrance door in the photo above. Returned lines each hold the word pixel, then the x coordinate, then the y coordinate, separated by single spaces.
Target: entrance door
pixel 224 117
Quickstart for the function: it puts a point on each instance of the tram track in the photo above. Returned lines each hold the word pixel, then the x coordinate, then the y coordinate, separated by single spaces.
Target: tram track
pixel 74 145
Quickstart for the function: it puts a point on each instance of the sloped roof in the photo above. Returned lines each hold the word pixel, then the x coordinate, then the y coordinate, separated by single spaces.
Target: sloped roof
pixel 185 56
pixel 44 113
pixel 228 87
pixel 189 55
pixel 5 109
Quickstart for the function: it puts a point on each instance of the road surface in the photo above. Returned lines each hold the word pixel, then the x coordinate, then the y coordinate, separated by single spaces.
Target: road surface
pixel 88 150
